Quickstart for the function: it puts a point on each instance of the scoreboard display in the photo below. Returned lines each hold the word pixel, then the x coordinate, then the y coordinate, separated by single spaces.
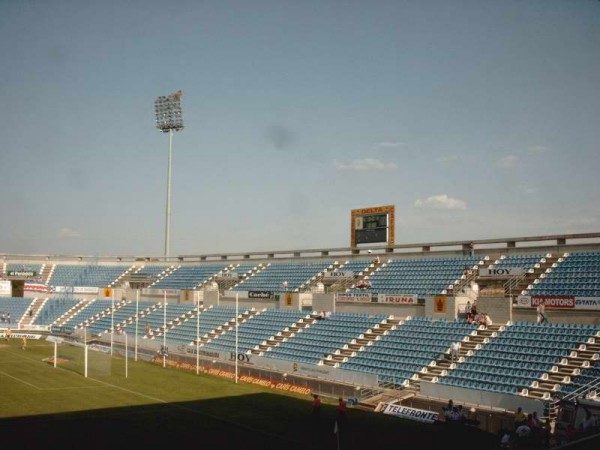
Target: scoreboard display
pixel 372 226
pixel 371 229
pixel 375 221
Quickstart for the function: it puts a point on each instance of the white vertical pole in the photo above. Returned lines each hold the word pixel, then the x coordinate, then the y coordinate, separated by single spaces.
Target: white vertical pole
pixel 197 333
pixel 112 320
pixel 126 359
pixel 168 218
pixel 85 360
pixel 237 311
pixel 137 319
pixel 165 330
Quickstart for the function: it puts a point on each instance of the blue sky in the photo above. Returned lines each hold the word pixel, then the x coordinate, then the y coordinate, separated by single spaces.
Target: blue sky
pixel 475 119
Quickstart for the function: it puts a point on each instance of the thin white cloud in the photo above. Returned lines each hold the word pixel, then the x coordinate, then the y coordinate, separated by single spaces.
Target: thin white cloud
pixel 391 144
pixel 537 149
pixel 528 189
pixel 508 161
pixel 441 201
pixel 365 164
pixel 67 233
pixel 577 222
pixel 447 159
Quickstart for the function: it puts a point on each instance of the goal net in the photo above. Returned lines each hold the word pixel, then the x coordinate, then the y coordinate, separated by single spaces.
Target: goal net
pixel 87 360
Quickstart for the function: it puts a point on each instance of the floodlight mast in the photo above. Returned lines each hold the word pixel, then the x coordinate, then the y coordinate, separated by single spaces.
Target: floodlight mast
pixel 169 117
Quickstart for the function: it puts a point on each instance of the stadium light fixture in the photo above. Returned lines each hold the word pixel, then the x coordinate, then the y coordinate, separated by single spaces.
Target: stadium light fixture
pixel 169 118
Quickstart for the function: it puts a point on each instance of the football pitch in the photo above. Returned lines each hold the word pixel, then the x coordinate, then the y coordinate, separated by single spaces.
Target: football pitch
pixel 42 405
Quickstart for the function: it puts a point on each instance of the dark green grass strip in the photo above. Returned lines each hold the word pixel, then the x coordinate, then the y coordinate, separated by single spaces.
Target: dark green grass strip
pixel 42 406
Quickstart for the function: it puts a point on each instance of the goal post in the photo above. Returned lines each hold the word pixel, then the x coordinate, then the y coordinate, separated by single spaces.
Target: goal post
pixel 87 360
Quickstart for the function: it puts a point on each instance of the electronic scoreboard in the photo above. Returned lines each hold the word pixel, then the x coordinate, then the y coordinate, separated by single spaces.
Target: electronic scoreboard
pixel 372 226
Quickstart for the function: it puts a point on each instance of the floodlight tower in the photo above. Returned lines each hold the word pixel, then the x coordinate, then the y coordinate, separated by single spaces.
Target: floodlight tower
pixel 169 117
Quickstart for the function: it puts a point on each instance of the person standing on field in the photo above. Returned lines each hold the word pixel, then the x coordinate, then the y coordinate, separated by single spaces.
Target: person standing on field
pixel 316 409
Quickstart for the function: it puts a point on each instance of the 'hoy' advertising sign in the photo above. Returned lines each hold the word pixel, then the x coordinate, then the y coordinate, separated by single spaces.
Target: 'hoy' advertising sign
pixel 501 272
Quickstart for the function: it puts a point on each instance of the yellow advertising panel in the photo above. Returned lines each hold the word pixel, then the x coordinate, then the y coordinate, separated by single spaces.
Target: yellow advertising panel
pixel 439 304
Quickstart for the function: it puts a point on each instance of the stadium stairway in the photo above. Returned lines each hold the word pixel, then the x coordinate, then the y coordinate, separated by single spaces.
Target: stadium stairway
pixel 35 305
pixel 339 286
pixel 136 278
pixel 530 277
pixel 72 313
pixel 358 344
pixel 469 345
pixel 229 325
pixel 583 357
pixel 373 267
pixel 45 272
pixel 470 276
pixel 283 335
pixel 229 283
pixel 246 276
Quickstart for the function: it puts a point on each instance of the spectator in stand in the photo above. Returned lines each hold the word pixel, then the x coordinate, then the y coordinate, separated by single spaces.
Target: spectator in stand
pixel 523 431
pixel 462 416
pixel 589 424
pixel 506 439
pixel 488 320
pixel 482 320
pixel 534 422
pixel 520 418
pixel 363 284
pixel 454 351
pixel 448 410
pixel 541 314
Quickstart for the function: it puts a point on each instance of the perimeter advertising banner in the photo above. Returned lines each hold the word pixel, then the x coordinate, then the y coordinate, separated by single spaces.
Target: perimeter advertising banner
pixel 75 289
pixel 21 273
pixel 501 272
pixel 5 288
pixel 405 412
pixel 363 297
pixel 339 274
pixel 558 302
pixel 353 297
pixel 398 299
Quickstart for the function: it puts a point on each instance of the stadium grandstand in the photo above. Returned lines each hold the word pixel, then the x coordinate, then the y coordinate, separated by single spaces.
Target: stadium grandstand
pixel 375 324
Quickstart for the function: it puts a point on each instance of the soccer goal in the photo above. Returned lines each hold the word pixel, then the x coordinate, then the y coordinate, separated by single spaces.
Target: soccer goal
pixel 82 358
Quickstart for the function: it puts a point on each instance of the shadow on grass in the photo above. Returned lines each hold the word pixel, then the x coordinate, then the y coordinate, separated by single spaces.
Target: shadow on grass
pixel 256 421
